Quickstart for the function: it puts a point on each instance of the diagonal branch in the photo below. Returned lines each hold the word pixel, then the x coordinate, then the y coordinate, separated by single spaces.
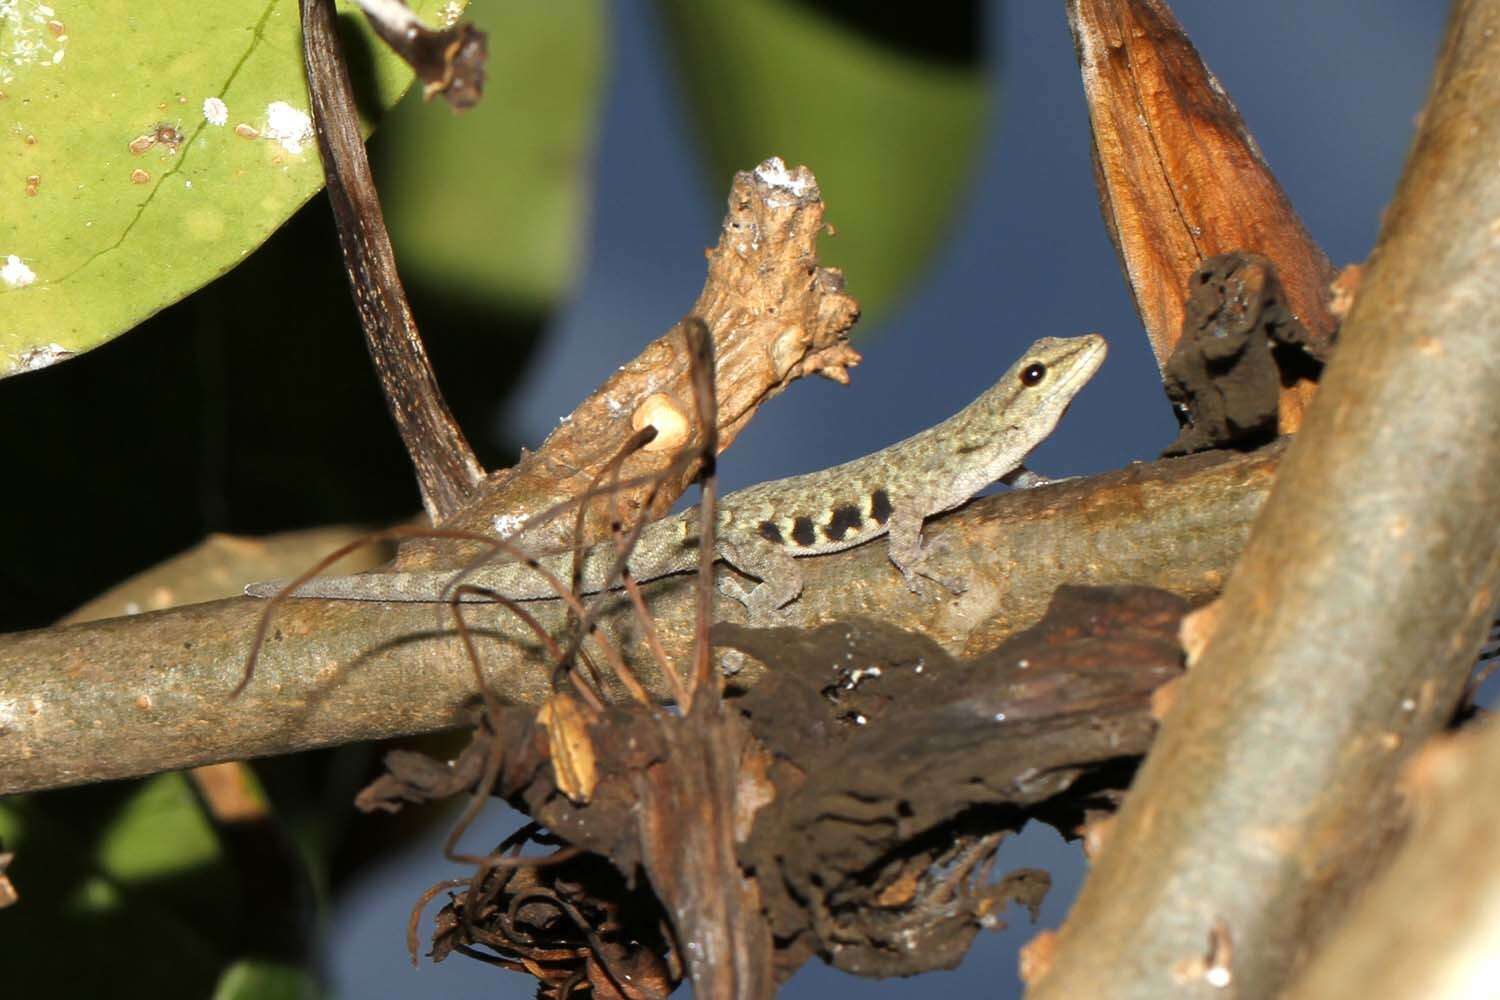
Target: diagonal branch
pixel 1352 621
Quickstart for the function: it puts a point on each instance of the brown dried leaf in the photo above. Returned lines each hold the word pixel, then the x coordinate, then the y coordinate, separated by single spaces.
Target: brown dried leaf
pixel 573 758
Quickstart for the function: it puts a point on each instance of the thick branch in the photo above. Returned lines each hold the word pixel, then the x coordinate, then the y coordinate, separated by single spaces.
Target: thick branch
pixel 1429 927
pixel 445 465
pixel 1353 619
pixel 136 695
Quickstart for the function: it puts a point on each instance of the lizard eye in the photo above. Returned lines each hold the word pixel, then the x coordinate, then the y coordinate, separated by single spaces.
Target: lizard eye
pixel 1033 373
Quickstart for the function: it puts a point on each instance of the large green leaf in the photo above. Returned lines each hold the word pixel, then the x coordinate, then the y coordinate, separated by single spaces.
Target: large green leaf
pixel 886 103
pixel 107 227
pixel 490 205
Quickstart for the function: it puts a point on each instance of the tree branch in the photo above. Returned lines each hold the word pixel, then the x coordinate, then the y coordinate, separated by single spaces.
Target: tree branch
pixel 136 695
pixel 1353 618
pixel 775 316
pixel 1426 928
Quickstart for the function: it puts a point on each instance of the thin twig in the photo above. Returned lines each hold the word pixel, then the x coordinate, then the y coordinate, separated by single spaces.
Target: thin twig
pixel 701 347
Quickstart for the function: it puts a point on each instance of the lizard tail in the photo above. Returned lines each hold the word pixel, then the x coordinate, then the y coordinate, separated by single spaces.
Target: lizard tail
pixel 392 587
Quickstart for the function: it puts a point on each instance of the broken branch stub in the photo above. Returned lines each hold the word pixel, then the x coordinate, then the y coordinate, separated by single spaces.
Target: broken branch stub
pixel 449 61
pixel 775 316
pixel 1180 177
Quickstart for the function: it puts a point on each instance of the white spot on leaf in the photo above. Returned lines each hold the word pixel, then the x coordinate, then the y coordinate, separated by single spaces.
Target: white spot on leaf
pixel 37 358
pixel 215 111
pixel 288 126
pixel 15 273
pixel 27 38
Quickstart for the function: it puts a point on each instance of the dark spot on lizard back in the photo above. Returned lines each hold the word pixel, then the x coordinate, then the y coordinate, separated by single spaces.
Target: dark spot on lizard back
pixel 770 531
pixel 880 506
pixel 802 531
pixel 845 519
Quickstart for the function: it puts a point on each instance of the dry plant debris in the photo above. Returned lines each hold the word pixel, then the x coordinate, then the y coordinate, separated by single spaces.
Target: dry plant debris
pixel 876 778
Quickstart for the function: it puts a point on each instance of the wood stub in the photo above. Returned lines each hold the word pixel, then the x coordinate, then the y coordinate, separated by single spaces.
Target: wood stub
pixel 1180 177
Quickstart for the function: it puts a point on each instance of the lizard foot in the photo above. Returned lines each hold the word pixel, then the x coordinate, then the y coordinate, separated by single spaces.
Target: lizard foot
pixel 952 584
pixel 765 607
pixel 923 568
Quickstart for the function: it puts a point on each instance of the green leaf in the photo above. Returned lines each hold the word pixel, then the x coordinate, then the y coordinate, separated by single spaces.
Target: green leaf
pixel 886 104
pixel 262 980
pixel 138 876
pixel 95 865
pixel 106 226
pixel 490 205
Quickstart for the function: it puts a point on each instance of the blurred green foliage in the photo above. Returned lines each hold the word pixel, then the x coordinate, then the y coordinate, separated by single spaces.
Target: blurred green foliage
pixel 885 102
pixel 490 206
pixel 137 881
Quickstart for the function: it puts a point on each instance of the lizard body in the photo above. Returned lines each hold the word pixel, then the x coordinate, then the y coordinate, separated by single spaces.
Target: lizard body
pixel 763 529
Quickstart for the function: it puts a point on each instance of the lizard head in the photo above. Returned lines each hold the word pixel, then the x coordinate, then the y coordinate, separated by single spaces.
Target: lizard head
pixel 1051 372
pixel 1021 409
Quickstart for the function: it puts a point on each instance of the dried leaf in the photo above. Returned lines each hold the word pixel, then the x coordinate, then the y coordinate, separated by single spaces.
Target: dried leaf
pixel 573 758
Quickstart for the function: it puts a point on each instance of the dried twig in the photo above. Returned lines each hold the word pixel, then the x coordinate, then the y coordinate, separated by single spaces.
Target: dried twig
pixel 448 61
pixel 447 470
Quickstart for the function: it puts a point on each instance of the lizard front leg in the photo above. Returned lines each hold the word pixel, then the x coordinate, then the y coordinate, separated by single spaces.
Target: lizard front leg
pixel 779 575
pixel 909 554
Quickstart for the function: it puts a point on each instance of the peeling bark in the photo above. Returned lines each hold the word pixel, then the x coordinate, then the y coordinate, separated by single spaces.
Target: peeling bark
pixel 1180 177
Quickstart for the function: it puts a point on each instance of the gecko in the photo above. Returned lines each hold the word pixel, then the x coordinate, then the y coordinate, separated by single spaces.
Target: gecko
pixel 764 529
